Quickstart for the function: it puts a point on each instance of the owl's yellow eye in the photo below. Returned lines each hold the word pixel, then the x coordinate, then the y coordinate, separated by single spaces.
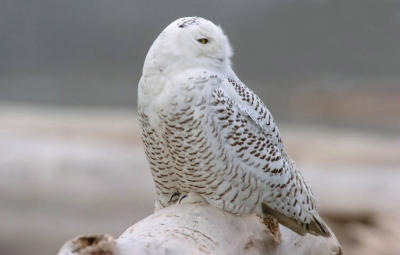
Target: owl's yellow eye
pixel 202 40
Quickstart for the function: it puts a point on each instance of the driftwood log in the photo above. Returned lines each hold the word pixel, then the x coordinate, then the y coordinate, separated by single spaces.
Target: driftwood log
pixel 194 227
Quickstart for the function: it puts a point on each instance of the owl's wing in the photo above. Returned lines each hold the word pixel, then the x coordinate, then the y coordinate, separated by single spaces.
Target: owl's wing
pixel 251 104
pixel 251 135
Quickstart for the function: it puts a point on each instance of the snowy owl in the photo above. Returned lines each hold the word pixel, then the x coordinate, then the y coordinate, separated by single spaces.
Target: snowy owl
pixel 206 132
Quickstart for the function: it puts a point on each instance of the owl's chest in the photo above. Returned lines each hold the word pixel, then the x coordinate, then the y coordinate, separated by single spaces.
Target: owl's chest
pixel 183 127
pixel 180 115
pixel 182 122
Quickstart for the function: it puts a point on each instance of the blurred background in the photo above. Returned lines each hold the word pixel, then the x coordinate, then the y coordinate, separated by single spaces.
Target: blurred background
pixel 71 160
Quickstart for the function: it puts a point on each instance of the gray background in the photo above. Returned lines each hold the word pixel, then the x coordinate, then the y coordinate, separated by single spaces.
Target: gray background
pixel 91 52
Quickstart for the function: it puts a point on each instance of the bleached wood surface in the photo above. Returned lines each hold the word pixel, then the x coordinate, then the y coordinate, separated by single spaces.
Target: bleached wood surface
pixel 194 227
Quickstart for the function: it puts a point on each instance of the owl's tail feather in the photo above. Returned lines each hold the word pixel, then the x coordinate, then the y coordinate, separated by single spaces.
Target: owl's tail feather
pixel 316 227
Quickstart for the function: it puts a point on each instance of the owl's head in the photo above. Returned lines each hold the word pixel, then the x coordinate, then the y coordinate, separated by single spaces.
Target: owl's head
pixel 189 42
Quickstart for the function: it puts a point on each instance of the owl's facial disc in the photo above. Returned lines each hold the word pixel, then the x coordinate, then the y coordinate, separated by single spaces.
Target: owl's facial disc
pixel 203 39
pixel 190 43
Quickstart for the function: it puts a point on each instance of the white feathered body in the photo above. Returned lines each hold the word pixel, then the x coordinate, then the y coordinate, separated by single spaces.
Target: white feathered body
pixel 204 131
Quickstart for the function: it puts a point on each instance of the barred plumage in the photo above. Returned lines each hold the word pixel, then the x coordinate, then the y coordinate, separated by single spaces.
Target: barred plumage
pixel 204 131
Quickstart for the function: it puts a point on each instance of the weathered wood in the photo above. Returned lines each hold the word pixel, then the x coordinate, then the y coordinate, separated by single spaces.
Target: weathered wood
pixel 194 227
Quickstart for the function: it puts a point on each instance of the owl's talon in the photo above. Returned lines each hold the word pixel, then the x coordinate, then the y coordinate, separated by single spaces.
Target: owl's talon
pixel 175 197
pixel 182 197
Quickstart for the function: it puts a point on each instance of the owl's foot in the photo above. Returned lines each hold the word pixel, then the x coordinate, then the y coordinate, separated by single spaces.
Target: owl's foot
pixel 185 198
pixel 191 198
pixel 175 197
